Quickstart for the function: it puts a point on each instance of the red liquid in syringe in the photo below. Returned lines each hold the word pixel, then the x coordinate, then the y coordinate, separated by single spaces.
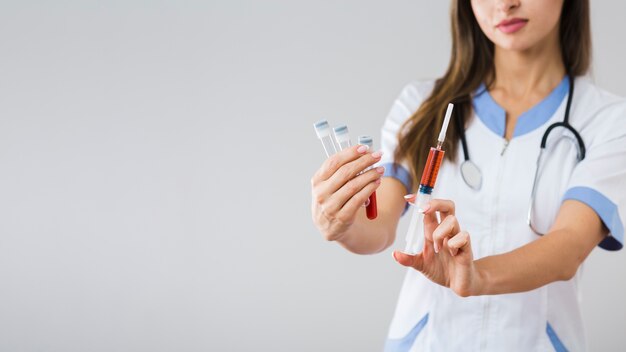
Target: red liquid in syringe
pixel 431 170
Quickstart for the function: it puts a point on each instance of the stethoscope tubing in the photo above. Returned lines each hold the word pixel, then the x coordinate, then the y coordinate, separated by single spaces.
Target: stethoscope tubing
pixel 565 123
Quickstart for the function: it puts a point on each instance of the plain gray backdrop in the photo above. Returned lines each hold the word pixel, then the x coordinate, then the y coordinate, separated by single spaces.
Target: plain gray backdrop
pixel 155 159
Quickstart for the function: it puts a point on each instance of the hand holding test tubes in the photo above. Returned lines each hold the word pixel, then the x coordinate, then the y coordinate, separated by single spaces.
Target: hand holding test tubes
pixel 322 129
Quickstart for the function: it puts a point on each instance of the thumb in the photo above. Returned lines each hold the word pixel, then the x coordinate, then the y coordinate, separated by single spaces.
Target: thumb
pixel 408 260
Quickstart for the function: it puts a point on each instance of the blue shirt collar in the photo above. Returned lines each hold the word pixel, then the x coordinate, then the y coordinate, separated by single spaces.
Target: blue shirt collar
pixel 494 116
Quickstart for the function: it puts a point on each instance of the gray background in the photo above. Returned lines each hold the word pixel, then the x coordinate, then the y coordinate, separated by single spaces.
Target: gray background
pixel 155 159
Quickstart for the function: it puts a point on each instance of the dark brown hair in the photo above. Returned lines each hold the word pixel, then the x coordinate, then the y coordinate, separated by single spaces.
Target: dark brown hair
pixel 471 64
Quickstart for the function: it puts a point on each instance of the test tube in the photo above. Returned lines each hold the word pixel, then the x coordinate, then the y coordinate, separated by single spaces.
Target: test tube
pixel 342 137
pixel 371 209
pixel 322 129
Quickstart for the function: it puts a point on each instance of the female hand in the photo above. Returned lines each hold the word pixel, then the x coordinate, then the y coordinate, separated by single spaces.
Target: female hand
pixel 447 257
pixel 339 191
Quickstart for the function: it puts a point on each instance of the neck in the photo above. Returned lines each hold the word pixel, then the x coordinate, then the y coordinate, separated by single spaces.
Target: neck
pixel 537 69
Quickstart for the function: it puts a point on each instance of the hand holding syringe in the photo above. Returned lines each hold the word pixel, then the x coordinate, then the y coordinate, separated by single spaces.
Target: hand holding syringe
pixel 427 184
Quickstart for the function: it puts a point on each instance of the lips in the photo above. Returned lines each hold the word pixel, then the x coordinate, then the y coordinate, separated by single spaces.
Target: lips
pixel 512 25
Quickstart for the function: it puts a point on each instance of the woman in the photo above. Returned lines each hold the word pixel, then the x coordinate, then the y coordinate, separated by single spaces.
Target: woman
pixel 485 280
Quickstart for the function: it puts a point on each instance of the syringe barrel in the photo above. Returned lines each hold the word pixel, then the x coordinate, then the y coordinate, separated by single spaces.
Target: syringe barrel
pixel 427 183
pixel 431 169
pixel 412 238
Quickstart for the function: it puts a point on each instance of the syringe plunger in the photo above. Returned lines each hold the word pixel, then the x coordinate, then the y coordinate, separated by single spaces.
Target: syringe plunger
pixel 444 128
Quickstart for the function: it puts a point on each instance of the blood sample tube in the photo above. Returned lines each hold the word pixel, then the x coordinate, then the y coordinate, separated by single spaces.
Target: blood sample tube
pixel 322 129
pixel 371 208
pixel 342 137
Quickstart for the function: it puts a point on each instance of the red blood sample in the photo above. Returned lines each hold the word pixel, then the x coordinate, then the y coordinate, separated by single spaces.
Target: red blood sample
pixel 372 210
pixel 429 176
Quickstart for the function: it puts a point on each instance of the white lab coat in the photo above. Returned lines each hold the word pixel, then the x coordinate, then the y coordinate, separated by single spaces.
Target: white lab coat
pixel 430 317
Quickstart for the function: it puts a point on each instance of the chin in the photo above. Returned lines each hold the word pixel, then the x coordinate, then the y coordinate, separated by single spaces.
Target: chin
pixel 513 44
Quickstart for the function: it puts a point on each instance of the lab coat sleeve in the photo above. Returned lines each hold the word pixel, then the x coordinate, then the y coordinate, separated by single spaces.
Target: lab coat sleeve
pixel 599 180
pixel 402 109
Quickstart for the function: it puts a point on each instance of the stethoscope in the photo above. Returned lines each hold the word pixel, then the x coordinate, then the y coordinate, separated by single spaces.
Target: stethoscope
pixel 472 175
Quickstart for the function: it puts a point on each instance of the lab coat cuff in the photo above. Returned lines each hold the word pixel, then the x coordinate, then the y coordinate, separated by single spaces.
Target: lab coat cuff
pixel 401 174
pixel 606 210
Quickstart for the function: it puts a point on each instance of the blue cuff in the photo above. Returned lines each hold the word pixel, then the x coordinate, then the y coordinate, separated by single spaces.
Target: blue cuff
pixel 606 210
pixel 401 174
pixel 398 172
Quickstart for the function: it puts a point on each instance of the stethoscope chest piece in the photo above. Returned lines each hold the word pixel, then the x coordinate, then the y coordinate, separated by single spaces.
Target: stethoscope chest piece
pixel 471 175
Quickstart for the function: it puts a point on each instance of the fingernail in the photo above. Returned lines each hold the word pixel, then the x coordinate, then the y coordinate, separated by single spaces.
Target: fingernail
pixel 378 181
pixel 362 149
pixel 377 154
pixel 380 170
pixel 436 247
pixel 408 196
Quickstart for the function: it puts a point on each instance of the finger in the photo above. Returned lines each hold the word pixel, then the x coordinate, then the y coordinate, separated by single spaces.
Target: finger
pixel 410 198
pixel 445 242
pixel 430 224
pixel 414 261
pixel 350 170
pixel 444 206
pixel 355 203
pixel 343 195
pixel 321 189
pixel 334 162
pixel 459 242
pixel 448 228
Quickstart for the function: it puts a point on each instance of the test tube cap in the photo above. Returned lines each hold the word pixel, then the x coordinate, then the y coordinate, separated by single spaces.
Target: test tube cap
pixel 322 128
pixel 341 129
pixel 366 140
pixel 341 133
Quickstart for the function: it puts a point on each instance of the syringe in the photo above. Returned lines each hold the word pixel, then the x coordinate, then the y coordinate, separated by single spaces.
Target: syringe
pixel 371 208
pixel 322 128
pixel 427 183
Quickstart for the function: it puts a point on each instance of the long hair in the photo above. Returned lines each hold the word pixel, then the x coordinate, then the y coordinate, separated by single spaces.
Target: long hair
pixel 471 64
